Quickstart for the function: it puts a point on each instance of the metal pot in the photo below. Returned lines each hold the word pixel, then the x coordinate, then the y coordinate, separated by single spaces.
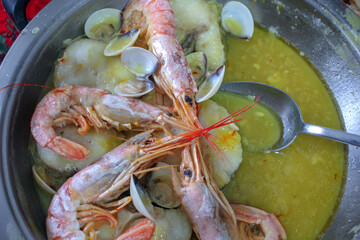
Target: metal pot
pixel 327 32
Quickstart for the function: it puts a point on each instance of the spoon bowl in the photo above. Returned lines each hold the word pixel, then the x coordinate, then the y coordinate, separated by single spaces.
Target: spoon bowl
pixel 289 113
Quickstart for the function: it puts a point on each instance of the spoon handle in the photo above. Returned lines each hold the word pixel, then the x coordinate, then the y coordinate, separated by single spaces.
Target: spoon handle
pixel 332 134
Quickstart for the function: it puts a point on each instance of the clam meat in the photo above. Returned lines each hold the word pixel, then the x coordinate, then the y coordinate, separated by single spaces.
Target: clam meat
pixel 161 190
pixel 134 88
pixel 237 20
pixel 103 24
pixel 120 42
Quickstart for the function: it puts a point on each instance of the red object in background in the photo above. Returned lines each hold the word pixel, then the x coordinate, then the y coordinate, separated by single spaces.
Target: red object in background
pixel 8 32
pixel 34 6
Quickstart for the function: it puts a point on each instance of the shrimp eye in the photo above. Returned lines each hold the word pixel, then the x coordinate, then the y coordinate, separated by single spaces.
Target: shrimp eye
pixel 253 229
pixel 188 99
pixel 170 114
pixel 187 173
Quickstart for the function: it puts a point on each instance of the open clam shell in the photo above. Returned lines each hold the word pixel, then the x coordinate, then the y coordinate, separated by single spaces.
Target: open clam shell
pixel 42 180
pixel 103 24
pixel 139 61
pixel 211 85
pixel 161 190
pixel 119 43
pixel 134 88
pixel 237 20
pixel 141 199
pixel 198 64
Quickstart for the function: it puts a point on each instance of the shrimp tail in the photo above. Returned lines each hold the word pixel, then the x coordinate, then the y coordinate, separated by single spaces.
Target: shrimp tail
pixel 68 148
pixel 141 231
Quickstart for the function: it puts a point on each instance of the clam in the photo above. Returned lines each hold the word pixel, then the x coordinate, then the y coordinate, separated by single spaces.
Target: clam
pixel 120 42
pixel 237 20
pixel 198 64
pixel 211 85
pixel 136 87
pixel 161 190
pixel 103 24
pixel 42 179
pixel 139 61
pixel 141 199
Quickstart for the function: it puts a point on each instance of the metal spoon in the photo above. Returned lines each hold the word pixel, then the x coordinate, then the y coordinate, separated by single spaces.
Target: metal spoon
pixel 289 113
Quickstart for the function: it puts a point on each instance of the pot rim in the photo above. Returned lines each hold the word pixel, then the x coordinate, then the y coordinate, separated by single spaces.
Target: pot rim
pixel 31 36
pixel 20 51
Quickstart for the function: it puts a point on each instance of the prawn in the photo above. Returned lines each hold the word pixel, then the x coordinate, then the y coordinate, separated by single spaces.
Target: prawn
pixel 156 22
pixel 209 219
pixel 157 31
pixel 155 19
pixel 86 107
pixel 200 205
pixel 73 214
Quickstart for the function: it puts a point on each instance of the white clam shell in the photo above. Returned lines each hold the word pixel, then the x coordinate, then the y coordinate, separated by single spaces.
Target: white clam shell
pixel 139 61
pixel 40 181
pixel 134 87
pixel 236 19
pixel 211 85
pixel 160 186
pixel 103 24
pixel 198 64
pixel 119 43
pixel 140 199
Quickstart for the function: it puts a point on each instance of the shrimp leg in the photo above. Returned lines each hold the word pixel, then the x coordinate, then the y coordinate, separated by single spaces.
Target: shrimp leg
pixel 141 231
pixel 84 188
pixel 87 107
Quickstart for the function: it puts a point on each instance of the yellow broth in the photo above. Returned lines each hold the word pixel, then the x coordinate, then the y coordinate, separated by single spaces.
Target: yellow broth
pixel 300 184
pixel 260 128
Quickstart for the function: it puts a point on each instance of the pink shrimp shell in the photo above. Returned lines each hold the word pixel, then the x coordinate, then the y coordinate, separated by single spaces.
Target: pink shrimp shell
pixel 159 24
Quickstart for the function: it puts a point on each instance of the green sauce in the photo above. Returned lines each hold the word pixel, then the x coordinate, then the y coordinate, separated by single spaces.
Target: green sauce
pixel 300 184
pixel 260 128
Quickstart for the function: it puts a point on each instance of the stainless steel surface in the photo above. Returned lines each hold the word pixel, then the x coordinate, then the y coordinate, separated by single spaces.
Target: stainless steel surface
pixel 327 32
pixel 289 113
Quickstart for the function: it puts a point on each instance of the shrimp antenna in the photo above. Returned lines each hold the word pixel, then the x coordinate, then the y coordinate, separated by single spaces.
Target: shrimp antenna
pixel 226 121
pixel 190 136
